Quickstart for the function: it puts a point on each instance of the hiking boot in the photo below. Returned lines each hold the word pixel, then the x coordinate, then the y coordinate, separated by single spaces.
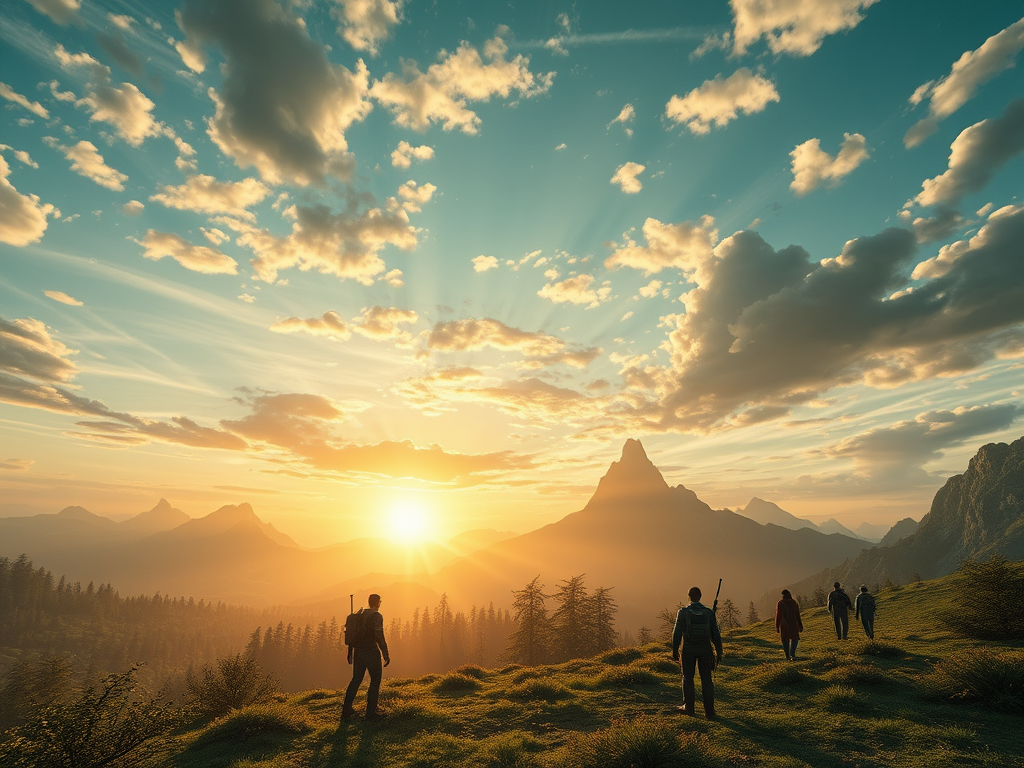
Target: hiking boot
pixel 374 716
pixel 347 712
pixel 685 710
pixel 710 715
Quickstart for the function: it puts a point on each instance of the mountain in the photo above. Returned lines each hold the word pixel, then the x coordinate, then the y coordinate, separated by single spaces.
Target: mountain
pixel 905 527
pixel 765 512
pixel 872 531
pixel 226 518
pixel 162 517
pixel 974 515
pixel 834 526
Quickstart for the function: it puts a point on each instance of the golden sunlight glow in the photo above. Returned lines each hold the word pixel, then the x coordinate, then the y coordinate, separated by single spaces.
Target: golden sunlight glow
pixel 408 520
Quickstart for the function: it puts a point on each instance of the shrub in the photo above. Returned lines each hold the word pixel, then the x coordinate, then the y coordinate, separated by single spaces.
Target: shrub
pixel 510 750
pixel 436 750
pixel 472 670
pixel 621 656
pixel 29 686
pixel 627 677
pixel 880 649
pixel 258 722
pixel 640 743
pixel 456 681
pixel 539 690
pixel 993 603
pixel 857 674
pixel 841 698
pixel 993 679
pixel 772 675
pixel 664 666
pixel 236 682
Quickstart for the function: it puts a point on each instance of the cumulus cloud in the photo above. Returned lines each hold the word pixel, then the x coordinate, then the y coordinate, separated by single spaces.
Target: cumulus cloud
pixel 971 71
pixel 329 325
pixel 443 92
pixel 718 101
pixel 87 161
pixel 796 27
pixel 652 289
pixel 403 156
pixel 539 348
pixel 283 108
pixel 204 194
pixel 625 117
pixel 483 263
pixel 62 12
pixel 626 177
pixel 579 289
pixel 34 107
pixel 28 349
pixel 197 258
pixel 365 24
pixel 685 246
pixel 938 227
pixel 394 278
pixel 384 324
pixel 22 156
pixel 22 217
pixel 415 195
pixel 133 208
pixel 975 156
pixel 63 298
pixel 125 107
pixel 812 164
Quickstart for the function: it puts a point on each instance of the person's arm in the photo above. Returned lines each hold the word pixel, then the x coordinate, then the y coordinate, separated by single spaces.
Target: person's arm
pixel 856 607
pixel 716 637
pixel 677 633
pixel 778 617
pixel 378 636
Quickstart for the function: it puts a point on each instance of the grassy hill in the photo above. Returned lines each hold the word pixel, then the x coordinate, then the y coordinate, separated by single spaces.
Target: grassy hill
pixel 852 703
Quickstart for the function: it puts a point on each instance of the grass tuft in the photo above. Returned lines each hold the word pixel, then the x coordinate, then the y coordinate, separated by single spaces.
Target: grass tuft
pixel 993 679
pixel 511 750
pixel 841 698
pixel 539 690
pixel 784 674
pixel 627 677
pixel 621 656
pixel 857 674
pixel 879 649
pixel 472 670
pixel 640 743
pixel 454 682
pixel 435 750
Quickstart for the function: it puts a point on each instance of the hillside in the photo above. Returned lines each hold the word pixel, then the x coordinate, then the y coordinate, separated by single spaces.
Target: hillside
pixel 974 515
pixel 589 713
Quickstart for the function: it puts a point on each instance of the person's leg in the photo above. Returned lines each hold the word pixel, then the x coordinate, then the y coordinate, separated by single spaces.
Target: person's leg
pixel 869 625
pixel 358 672
pixel 839 625
pixel 374 666
pixel 785 647
pixel 792 648
pixel 844 617
pixel 707 684
pixel 689 664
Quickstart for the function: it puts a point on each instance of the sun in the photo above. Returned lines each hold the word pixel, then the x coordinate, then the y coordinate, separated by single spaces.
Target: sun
pixel 407 521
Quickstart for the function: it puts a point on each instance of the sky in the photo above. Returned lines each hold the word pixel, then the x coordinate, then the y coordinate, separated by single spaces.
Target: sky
pixel 364 261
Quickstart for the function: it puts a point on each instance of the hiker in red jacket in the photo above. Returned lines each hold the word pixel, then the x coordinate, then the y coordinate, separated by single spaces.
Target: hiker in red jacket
pixel 788 623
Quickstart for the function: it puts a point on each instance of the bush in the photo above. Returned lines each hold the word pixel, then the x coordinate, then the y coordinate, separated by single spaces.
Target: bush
pixel 992 604
pixel 472 670
pixel 993 679
pixel 841 698
pixel 236 682
pixel 257 722
pixel 455 681
pixel 31 685
pixel 640 743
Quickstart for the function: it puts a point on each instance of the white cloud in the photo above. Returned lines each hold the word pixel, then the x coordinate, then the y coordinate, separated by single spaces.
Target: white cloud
pixel 975 155
pixel 32 106
pixel 403 156
pixel 248 298
pixel 811 164
pixel 197 258
pixel 367 23
pixel 483 263
pixel 626 177
pixel 971 71
pixel 652 289
pixel 625 117
pixel 796 27
pixel 718 101
pixel 21 155
pixel 942 262
pixel 124 106
pixel 384 324
pixel 576 290
pixel 283 107
pixel 330 325
pixel 442 93
pixel 215 236
pixel 60 11
pixel 686 246
pixel 415 195
pixel 22 217
pixel 540 349
pixel 63 298
pixel 88 162
pixel 394 278
pixel 133 208
pixel 560 147
pixel 204 194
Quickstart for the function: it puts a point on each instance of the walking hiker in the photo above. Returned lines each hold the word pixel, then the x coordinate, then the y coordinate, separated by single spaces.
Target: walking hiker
pixel 839 604
pixel 864 609
pixel 788 623
pixel 364 635
pixel 697 629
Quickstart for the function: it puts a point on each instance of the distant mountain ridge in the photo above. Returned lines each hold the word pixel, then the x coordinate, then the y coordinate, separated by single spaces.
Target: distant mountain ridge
pixel 769 513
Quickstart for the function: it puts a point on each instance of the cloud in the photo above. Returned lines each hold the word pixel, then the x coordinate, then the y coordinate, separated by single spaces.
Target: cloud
pixel 539 348
pixel 975 155
pixel 346 244
pixel 22 217
pixel 124 106
pixel 88 162
pixel 394 278
pixel 113 44
pixel 948 255
pixel 22 156
pixel 27 349
pixel 383 324
pixel 329 325
pixel 32 106
pixel 971 71
pixel 204 194
pixel 626 177
pixel 16 465
pixel 625 117
pixel 133 208
pixel 61 12
pixel 718 101
pixel 685 246
pixel 442 93
pixel 561 146
pixel 366 23
pixel 939 227
pixel 483 263
pixel 652 289
pixel 403 156
pixel 811 164
pixel 63 298
pixel 283 108
pixel 576 290
pixel 197 258
pixel 796 27
pixel 415 195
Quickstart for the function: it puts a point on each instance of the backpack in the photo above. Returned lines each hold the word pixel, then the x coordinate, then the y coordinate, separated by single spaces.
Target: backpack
pixel 867 602
pixel 358 630
pixel 698 627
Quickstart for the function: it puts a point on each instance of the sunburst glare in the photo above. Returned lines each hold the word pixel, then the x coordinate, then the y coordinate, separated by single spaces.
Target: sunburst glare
pixel 408 521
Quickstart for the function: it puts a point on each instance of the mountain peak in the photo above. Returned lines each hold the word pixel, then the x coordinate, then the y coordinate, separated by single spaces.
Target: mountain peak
pixel 162 517
pixel 162 506
pixel 632 475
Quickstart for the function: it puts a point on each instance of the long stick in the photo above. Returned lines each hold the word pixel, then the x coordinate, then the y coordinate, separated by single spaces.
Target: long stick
pixel 715 606
pixel 351 604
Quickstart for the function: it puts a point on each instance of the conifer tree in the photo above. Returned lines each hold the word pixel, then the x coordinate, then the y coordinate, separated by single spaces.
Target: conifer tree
pixel 602 614
pixel 643 636
pixel 528 644
pixel 728 615
pixel 752 617
pixel 571 622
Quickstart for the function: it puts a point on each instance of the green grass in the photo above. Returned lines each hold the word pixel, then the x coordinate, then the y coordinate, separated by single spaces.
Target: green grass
pixel 916 696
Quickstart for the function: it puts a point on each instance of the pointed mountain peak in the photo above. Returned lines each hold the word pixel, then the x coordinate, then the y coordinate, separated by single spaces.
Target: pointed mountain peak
pixel 632 475
pixel 162 506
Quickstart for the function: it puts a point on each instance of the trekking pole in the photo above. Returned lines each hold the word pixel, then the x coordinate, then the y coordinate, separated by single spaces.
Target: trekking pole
pixel 714 608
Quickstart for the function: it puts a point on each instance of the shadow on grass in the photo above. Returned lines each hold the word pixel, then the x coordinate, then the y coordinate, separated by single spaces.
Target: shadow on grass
pixel 256 732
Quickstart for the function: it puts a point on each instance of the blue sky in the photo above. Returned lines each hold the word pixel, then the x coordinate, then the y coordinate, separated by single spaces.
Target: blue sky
pixel 334 258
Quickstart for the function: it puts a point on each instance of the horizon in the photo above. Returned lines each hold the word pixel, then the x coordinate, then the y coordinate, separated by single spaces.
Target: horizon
pixel 433 289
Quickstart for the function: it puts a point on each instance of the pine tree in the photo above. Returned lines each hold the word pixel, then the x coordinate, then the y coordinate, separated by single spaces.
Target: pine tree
pixel 728 615
pixel 667 622
pixel 528 644
pixel 602 614
pixel 643 636
pixel 752 617
pixel 571 621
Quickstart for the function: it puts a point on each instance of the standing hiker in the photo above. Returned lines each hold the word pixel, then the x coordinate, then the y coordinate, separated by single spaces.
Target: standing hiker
pixel 839 604
pixel 788 623
pixel 364 635
pixel 864 609
pixel 697 629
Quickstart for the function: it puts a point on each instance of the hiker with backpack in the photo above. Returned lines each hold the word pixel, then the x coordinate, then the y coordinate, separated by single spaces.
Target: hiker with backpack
pixel 364 636
pixel 697 630
pixel 839 604
pixel 864 609
pixel 788 623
